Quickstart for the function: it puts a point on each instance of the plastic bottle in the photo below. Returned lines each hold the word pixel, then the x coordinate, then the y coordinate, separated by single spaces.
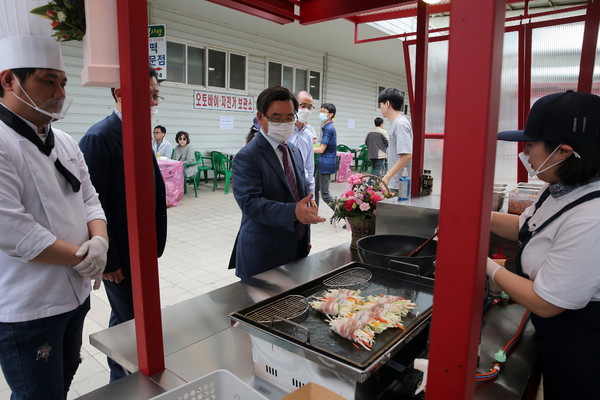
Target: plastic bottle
pixel 404 189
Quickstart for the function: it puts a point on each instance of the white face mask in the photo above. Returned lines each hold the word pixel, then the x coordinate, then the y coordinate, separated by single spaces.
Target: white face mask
pixel 533 172
pixel 55 108
pixel 323 117
pixel 154 111
pixel 304 114
pixel 280 131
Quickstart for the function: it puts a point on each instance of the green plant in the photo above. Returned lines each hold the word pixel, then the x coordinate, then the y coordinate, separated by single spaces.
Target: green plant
pixel 67 16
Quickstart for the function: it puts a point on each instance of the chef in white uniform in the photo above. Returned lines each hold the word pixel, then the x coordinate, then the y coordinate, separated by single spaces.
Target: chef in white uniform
pixel 53 240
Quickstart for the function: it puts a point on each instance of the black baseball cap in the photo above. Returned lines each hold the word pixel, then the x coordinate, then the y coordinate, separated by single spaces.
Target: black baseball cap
pixel 567 117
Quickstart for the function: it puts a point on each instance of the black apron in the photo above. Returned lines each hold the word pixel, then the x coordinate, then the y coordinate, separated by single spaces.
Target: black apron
pixel 568 343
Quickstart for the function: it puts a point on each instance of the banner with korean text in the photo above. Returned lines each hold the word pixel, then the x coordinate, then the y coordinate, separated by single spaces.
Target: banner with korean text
pixel 222 101
pixel 157 49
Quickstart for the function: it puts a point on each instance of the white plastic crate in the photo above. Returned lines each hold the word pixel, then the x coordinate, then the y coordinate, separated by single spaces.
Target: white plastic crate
pixel 218 385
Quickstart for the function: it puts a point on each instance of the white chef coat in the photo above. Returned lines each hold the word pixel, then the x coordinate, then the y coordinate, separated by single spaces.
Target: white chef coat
pixel 562 259
pixel 37 206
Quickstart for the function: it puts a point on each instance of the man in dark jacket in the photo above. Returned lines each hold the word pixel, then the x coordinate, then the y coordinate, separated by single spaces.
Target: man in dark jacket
pixel 377 143
pixel 102 146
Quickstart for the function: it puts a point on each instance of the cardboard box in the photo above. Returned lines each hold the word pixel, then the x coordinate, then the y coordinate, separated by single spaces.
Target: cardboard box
pixel 312 391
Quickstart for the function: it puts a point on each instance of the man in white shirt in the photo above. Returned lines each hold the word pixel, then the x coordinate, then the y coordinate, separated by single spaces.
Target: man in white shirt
pixel 54 238
pixel 161 146
pixel 303 137
pixel 399 152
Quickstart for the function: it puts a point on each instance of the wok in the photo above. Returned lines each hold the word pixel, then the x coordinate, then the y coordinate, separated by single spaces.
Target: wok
pixel 389 251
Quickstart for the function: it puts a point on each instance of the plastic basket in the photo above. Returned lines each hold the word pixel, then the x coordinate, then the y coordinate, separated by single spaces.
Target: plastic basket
pixel 218 385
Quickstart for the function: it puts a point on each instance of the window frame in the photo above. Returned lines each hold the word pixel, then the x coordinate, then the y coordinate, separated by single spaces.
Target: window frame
pixel 206 85
pixel 295 68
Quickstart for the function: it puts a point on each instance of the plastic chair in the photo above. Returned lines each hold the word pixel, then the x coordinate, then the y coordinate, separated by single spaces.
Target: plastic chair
pixel 363 156
pixel 193 180
pixel 202 167
pixel 342 148
pixel 222 166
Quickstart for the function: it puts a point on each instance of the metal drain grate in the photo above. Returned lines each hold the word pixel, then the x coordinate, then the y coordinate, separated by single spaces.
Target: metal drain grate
pixel 351 277
pixel 288 307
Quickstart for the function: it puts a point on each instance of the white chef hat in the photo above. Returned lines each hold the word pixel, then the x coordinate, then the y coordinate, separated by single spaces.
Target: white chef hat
pixel 25 38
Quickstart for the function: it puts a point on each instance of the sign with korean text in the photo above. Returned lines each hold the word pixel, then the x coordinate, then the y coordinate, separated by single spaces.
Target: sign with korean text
pixel 157 49
pixel 222 101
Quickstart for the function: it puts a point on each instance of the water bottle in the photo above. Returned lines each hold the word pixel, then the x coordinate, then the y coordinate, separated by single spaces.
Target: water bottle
pixel 404 189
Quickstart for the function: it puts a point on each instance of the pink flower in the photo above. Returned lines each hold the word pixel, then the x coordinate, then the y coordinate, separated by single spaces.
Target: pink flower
pixel 355 179
pixel 364 207
pixel 349 193
pixel 376 197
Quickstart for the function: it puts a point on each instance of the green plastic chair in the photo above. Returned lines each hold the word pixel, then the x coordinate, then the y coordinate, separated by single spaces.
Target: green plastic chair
pixel 222 166
pixel 202 167
pixel 342 148
pixel 192 180
pixel 363 157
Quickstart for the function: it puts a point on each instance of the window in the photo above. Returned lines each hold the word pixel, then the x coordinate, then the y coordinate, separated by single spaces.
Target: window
pixel 216 68
pixel 195 65
pixel 237 71
pixel 175 62
pixel 294 78
pixel 206 67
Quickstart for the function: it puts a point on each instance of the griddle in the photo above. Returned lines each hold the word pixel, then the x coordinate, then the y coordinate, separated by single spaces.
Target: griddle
pixel 310 336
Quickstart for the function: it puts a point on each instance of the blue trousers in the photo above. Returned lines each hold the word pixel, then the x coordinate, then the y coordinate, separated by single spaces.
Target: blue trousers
pixel 120 297
pixel 377 164
pixel 40 357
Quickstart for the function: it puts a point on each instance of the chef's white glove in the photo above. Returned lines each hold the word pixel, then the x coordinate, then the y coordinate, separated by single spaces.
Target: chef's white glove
pixel 97 281
pixel 491 268
pixel 94 262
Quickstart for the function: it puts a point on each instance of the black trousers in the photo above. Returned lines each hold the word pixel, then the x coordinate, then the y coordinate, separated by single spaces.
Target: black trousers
pixel 569 348
pixel 120 297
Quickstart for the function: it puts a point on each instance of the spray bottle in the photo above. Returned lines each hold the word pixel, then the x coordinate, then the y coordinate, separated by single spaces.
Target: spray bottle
pixel 404 189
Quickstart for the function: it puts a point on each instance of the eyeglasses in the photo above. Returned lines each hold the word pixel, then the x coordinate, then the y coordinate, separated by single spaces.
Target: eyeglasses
pixel 280 120
pixel 157 99
pixel 307 106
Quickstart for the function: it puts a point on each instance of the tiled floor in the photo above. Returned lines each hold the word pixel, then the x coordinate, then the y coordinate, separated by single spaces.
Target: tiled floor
pixel 201 233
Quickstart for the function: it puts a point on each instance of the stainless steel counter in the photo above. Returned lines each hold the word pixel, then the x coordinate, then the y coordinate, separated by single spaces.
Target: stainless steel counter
pixel 198 338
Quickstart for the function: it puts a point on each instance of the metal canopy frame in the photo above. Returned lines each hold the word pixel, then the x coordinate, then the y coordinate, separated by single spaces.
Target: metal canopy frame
pixel 473 86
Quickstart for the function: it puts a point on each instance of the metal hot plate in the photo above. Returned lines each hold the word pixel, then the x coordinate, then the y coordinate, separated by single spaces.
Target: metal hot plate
pixel 310 336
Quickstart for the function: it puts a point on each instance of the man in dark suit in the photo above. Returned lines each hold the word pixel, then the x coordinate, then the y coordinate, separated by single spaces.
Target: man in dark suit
pixel 271 190
pixel 102 146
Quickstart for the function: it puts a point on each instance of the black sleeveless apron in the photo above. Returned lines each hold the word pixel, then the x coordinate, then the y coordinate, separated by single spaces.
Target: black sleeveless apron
pixel 568 343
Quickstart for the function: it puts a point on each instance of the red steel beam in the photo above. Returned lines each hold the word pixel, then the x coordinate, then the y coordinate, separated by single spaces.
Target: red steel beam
pixel 407 13
pixel 133 31
pixel 588 48
pixel 474 68
pixel 278 11
pixel 313 11
pixel 420 99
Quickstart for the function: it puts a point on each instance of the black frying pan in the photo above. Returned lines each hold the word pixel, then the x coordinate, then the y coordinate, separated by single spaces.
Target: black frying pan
pixel 392 250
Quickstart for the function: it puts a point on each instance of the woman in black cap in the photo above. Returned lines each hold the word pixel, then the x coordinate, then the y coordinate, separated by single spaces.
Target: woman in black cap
pixel 557 274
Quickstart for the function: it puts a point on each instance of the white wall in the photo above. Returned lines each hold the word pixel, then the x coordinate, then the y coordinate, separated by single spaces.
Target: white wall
pixel 350 85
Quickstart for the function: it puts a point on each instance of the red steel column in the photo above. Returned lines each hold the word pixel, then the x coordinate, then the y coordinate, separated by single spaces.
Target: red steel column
pixel 133 55
pixel 472 107
pixel 524 91
pixel 588 49
pixel 420 95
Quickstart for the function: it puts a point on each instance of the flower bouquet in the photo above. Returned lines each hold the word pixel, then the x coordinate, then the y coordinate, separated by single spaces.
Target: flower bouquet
pixel 357 205
pixel 67 16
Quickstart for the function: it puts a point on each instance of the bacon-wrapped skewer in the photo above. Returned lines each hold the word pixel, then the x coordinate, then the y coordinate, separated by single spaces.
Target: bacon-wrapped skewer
pixel 337 302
